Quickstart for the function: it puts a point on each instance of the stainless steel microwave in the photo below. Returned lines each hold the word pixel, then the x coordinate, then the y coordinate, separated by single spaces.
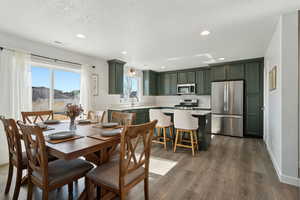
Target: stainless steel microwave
pixel 186 89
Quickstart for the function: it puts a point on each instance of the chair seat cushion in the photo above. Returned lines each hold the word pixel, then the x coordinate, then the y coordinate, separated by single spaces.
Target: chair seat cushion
pixel 60 171
pixel 108 174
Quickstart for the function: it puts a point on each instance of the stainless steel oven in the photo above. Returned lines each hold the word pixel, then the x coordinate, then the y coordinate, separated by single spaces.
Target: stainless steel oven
pixel 186 88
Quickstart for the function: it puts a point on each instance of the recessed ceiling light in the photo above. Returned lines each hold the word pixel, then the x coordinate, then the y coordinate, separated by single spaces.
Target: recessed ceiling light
pixel 81 36
pixel 205 32
pixel 124 52
pixel 163 67
pixel 221 58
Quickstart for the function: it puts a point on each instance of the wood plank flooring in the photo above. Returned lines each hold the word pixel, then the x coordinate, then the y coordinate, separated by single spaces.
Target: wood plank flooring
pixel 232 168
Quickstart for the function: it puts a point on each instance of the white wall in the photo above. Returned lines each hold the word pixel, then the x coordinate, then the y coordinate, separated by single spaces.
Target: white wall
pixel 169 101
pixel 272 129
pixel 281 114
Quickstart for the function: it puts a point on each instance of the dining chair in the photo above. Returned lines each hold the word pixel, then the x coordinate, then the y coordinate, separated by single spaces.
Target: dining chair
pixel 119 176
pixel 123 118
pixel 163 123
pixel 53 175
pixel 17 158
pixel 96 115
pixel 184 122
pixel 36 116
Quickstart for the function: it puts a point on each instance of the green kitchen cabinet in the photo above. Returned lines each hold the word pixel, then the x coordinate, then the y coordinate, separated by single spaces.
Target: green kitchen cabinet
pixel 207 82
pixel 200 82
pixel 167 83
pixel 150 83
pixel 171 83
pixel 161 84
pixel 185 77
pixel 203 82
pixel 235 71
pixel 115 76
pixel 142 115
pixel 254 98
pixel 218 73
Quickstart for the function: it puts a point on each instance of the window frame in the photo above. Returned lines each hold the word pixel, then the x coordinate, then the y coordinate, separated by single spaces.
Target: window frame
pixel 52 69
pixel 126 100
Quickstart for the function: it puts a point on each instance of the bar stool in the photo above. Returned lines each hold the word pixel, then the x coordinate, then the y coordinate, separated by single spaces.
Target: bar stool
pixel 164 123
pixel 184 122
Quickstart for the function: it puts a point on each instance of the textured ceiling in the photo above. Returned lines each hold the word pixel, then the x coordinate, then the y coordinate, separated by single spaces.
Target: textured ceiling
pixel 154 33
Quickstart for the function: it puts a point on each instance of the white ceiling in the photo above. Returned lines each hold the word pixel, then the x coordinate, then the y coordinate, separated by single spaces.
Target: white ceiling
pixel 155 33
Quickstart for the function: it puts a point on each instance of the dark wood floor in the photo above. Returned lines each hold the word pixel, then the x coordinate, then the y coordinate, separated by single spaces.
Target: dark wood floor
pixel 233 168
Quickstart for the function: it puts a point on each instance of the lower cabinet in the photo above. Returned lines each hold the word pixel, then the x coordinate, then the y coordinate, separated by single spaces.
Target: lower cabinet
pixel 142 115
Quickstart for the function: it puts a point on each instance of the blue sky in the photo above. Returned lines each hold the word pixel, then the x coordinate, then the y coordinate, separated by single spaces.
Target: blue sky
pixel 64 80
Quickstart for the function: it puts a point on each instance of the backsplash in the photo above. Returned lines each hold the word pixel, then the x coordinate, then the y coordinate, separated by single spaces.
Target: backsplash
pixel 204 101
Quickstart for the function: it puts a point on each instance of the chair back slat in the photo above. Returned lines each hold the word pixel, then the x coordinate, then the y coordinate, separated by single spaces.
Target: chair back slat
pixel 96 115
pixel 13 139
pixel 36 116
pixel 133 138
pixel 35 149
pixel 123 118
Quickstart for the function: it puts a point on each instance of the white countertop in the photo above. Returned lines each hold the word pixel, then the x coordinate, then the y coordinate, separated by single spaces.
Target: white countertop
pixel 193 112
pixel 131 107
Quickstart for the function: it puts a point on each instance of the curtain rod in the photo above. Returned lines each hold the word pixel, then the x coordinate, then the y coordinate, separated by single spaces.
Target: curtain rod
pixel 54 59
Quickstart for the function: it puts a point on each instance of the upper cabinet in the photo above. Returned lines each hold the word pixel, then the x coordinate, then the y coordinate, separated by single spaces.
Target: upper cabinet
pixel 227 72
pixel 150 80
pixel 185 77
pixel 116 76
pixel 203 82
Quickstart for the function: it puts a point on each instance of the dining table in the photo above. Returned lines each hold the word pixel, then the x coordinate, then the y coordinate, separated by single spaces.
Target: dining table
pixel 88 143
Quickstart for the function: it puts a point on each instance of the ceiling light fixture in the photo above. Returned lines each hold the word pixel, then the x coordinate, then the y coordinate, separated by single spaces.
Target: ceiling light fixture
pixel 205 32
pixel 221 58
pixel 81 36
pixel 124 52
pixel 163 67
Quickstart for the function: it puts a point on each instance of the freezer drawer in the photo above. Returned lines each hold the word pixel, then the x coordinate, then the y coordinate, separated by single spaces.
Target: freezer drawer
pixel 227 125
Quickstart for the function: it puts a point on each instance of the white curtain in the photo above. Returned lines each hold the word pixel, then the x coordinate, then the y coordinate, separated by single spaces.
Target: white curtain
pixel 85 88
pixel 15 90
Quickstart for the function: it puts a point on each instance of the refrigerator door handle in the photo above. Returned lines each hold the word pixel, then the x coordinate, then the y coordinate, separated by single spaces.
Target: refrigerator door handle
pixel 225 99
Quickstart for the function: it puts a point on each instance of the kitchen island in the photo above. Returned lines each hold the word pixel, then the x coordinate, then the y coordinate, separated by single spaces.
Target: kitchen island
pixel 203 115
pixel 204 120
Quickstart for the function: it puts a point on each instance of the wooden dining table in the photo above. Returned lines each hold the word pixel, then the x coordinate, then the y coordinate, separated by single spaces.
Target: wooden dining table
pixel 97 151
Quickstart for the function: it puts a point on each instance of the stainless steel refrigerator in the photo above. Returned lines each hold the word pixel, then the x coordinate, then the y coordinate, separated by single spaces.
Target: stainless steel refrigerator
pixel 227 103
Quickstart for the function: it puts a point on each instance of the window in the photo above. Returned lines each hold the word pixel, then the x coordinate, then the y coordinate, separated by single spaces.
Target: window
pixel 53 88
pixel 131 89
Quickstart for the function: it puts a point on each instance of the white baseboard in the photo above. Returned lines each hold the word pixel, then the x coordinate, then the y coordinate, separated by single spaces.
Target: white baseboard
pixel 295 181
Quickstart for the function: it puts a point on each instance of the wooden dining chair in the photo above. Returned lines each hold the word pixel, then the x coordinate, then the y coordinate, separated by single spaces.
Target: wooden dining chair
pixel 17 158
pixel 119 176
pixel 96 115
pixel 48 176
pixel 36 116
pixel 123 118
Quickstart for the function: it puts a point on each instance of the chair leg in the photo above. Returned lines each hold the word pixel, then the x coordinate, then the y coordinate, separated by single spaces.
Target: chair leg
pixel 18 184
pixel 30 187
pixel 165 138
pixel 122 195
pixel 9 177
pixel 146 188
pixel 98 192
pixel 45 194
pixel 176 139
pixel 192 142
pixel 70 190
pixel 88 186
pixel 171 135
pixel 196 138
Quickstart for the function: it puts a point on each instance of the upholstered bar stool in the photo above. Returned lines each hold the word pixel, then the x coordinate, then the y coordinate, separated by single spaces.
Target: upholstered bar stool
pixel 164 123
pixel 184 122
